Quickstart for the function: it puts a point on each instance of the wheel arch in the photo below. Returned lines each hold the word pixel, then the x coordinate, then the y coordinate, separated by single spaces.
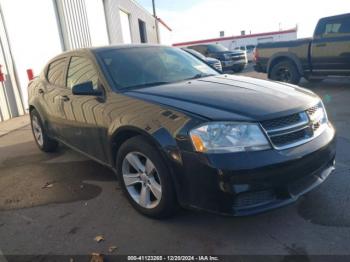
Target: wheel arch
pixel 161 140
pixel 284 56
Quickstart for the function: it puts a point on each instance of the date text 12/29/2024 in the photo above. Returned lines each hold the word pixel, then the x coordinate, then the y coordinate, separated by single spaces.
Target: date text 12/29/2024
pixel 173 258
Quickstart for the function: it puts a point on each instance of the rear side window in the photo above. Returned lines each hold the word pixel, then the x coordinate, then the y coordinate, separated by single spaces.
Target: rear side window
pixel 81 70
pixel 334 27
pixel 56 72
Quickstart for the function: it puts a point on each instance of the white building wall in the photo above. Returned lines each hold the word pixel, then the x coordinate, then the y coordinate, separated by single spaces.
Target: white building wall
pixel 135 12
pixel 233 42
pixel 33 36
pixel 97 22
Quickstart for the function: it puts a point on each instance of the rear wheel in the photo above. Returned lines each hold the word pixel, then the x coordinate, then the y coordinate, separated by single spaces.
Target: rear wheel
pixel 145 178
pixel 285 71
pixel 44 142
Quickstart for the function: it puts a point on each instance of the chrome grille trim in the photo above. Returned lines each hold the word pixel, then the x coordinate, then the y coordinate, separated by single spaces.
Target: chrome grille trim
pixel 291 133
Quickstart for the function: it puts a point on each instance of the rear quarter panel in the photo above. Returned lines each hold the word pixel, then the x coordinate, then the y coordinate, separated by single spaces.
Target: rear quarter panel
pixel 297 50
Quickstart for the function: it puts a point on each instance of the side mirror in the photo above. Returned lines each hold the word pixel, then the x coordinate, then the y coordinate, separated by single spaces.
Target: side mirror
pixel 85 89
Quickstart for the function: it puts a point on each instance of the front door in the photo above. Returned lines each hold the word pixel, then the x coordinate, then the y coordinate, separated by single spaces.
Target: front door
pixel 85 129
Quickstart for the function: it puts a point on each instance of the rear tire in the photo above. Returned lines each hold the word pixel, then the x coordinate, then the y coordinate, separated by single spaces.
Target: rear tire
pixel 44 142
pixel 145 178
pixel 285 71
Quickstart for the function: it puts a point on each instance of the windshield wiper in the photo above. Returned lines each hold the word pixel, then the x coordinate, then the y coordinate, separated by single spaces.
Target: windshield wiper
pixel 200 75
pixel 147 85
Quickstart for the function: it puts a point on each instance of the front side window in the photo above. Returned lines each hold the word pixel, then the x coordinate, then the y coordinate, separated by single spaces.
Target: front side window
pixel 56 71
pixel 145 66
pixel 81 70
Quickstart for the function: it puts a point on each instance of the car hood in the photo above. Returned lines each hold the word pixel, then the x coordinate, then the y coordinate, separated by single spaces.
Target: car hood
pixel 211 60
pixel 225 97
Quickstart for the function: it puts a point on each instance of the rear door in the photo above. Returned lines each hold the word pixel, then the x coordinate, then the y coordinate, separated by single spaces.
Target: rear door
pixel 330 49
pixel 53 92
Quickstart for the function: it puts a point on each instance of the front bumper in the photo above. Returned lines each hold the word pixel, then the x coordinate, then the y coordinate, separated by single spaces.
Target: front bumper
pixel 252 182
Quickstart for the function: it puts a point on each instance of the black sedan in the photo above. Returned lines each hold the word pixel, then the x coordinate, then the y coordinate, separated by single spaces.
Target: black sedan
pixel 176 132
pixel 215 63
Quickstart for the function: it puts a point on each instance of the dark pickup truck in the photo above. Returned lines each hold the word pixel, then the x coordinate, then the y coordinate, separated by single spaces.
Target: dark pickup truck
pixel 326 54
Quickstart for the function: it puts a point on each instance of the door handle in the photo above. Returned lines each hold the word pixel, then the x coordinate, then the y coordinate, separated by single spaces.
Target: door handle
pixel 41 91
pixel 65 98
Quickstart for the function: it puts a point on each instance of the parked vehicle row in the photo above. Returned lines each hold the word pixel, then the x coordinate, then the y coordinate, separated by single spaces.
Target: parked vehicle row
pixel 215 63
pixel 249 49
pixel 176 132
pixel 326 54
pixel 235 60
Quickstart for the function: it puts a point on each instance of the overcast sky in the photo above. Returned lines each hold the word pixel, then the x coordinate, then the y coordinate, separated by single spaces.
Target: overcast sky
pixel 201 19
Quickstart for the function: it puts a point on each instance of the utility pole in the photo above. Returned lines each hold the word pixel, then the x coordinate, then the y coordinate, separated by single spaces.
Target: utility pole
pixel 156 20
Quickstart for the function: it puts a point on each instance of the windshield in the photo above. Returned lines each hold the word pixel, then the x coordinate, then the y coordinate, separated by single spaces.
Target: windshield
pixel 147 66
pixel 217 48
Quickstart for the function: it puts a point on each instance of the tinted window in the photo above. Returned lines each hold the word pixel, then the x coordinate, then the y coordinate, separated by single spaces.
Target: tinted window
pixel 333 27
pixel 56 71
pixel 81 70
pixel 144 66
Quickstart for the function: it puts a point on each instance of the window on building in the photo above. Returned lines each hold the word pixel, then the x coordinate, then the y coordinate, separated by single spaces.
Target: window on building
pixel 143 32
pixel 81 70
pixel 125 25
pixel 56 71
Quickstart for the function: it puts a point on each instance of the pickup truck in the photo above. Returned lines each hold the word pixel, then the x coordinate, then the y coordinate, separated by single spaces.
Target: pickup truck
pixel 326 54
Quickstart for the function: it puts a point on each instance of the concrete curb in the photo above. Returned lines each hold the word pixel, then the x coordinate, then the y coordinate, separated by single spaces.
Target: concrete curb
pixel 13 124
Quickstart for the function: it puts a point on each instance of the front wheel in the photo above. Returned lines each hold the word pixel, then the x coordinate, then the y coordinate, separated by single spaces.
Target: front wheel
pixel 285 71
pixel 44 142
pixel 145 179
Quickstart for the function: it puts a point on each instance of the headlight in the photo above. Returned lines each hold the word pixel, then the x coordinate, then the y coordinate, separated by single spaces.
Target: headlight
pixel 319 115
pixel 223 137
pixel 227 57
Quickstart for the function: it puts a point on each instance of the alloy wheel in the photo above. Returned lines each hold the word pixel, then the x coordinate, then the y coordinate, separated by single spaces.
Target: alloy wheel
pixel 37 130
pixel 142 180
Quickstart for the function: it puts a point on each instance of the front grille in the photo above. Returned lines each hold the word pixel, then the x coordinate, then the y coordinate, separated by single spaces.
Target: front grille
pixel 281 122
pixel 251 199
pixel 293 130
pixel 237 57
pixel 218 66
pixel 312 110
pixel 291 138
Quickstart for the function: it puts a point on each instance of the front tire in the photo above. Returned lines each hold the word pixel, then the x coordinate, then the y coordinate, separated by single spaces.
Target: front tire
pixel 44 142
pixel 145 179
pixel 285 71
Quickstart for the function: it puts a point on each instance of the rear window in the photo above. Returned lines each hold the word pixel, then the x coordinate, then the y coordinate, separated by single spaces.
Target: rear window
pixel 333 27
pixel 56 72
